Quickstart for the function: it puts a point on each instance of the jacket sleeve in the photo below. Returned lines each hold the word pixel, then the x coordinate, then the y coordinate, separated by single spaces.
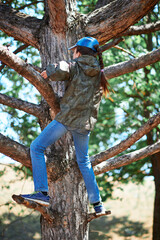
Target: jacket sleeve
pixel 58 72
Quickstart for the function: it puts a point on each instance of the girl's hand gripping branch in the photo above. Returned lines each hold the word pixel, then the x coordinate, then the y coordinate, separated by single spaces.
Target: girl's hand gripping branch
pixel 44 74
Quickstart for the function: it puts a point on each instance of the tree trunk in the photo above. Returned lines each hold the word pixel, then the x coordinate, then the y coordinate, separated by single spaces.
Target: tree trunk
pixel 69 200
pixel 155 159
pixel 60 28
pixel 156 217
pixel 69 203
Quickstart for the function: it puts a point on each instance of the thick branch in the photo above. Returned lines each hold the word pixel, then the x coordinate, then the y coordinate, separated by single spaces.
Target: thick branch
pixel 34 109
pixel 144 29
pixel 15 150
pixel 127 158
pixel 47 212
pixel 132 65
pixel 16 51
pixel 29 73
pixel 116 17
pixel 22 27
pixel 58 15
pixel 122 146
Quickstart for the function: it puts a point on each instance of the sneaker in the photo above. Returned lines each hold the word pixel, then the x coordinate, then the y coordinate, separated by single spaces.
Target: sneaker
pixel 38 197
pixel 99 209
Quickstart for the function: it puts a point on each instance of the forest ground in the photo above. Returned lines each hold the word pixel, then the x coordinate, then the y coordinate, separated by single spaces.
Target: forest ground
pixel 131 206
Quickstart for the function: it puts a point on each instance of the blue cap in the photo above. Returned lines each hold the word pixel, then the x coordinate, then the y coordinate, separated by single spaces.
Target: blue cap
pixel 86 42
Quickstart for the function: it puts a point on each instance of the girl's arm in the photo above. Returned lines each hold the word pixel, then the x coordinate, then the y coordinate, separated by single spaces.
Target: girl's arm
pixel 57 72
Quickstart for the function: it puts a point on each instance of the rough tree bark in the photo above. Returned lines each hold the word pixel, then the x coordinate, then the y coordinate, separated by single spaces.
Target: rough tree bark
pixel 60 28
pixel 150 140
pixel 156 215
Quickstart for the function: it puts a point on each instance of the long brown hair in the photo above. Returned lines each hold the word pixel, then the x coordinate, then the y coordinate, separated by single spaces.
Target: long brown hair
pixel 104 82
pixel 88 51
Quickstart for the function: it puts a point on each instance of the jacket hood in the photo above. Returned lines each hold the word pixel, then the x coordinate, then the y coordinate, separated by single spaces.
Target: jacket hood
pixel 89 65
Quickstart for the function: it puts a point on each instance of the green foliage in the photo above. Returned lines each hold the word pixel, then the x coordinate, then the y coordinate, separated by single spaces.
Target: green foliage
pixel 21 171
pixel 2 172
pixel 86 6
pixel 105 186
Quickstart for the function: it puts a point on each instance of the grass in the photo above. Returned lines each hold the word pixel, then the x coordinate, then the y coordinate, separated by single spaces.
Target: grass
pixel 131 217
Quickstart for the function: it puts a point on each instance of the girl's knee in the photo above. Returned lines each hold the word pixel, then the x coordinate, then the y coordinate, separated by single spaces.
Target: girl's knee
pixel 32 146
pixel 84 163
pixel 35 147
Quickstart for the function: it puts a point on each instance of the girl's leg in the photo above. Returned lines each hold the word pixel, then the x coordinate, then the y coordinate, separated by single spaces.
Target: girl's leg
pixel 49 135
pixel 81 145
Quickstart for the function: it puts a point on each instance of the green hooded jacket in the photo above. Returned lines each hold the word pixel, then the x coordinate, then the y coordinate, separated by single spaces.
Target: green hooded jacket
pixel 80 103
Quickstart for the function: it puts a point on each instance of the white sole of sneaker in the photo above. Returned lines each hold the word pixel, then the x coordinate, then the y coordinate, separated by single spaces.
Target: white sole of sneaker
pixel 38 201
pixel 100 213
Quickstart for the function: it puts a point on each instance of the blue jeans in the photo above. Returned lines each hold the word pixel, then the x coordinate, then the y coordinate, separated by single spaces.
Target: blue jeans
pixel 48 136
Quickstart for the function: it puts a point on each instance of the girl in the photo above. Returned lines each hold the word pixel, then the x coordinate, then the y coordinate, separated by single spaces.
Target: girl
pixel 78 114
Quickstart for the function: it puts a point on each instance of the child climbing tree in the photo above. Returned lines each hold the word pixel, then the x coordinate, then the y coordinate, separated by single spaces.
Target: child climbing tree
pixel 67 216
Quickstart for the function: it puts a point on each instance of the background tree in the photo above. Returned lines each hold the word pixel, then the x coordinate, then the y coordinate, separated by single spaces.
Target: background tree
pixel 60 27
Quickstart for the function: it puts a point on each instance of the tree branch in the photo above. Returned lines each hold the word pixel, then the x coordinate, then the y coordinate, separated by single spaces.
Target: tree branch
pixel 15 52
pixel 29 73
pixel 127 159
pixel 111 44
pixel 115 18
pixel 36 68
pixel 124 50
pixel 125 144
pixel 93 216
pixel 134 96
pixel 144 29
pixel 15 150
pixel 132 65
pixel 58 15
pixel 20 26
pixel 47 212
pixel 34 109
